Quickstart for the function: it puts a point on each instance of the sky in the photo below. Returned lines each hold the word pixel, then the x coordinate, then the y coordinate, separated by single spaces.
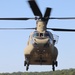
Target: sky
pixel 13 42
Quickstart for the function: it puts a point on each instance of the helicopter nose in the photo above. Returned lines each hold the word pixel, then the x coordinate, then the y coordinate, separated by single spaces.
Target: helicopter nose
pixel 42 42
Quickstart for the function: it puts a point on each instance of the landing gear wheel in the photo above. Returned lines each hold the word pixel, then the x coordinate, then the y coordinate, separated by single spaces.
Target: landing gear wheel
pixel 56 63
pixel 53 66
pixel 27 68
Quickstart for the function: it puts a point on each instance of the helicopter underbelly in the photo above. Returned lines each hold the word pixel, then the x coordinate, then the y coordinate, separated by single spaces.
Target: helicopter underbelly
pixel 39 48
pixel 40 55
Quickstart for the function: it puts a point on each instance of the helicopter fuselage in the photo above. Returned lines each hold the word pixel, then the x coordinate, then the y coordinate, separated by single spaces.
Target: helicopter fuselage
pixel 40 49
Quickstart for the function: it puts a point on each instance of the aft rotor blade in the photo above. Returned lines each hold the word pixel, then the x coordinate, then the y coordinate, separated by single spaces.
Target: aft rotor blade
pixel 47 14
pixel 62 18
pixel 16 28
pixel 59 29
pixel 35 8
pixel 16 18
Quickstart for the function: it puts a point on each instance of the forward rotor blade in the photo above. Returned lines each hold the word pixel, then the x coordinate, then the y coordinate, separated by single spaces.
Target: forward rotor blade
pixel 63 18
pixel 59 29
pixel 16 28
pixel 35 8
pixel 16 18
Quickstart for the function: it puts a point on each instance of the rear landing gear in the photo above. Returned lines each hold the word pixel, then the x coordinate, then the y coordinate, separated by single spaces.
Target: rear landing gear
pixel 55 63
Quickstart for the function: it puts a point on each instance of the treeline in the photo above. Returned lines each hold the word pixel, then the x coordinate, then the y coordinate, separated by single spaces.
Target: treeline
pixel 58 72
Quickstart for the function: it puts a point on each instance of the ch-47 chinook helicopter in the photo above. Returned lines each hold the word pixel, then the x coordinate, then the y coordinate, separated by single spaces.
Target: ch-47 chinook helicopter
pixel 40 48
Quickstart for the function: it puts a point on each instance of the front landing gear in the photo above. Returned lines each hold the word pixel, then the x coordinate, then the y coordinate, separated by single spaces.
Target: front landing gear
pixel 26 63
pixel 55 63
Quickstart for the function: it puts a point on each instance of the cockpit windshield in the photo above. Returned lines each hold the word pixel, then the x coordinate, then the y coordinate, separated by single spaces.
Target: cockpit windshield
pixel 46 34
pixel 35 34
pixel 41 35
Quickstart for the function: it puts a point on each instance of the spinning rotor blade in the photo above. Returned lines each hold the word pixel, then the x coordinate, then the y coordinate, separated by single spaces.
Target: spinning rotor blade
pixel 16 18
pixel 63 18
pixel 59 29
pixel 16 28
pixel 35 18
pixel 35 8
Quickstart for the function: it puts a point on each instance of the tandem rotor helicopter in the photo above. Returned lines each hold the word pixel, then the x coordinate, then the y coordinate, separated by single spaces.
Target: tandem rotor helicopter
pixel 40 49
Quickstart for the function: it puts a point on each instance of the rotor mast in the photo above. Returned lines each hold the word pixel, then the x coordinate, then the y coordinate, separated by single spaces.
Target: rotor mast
pixel 40 26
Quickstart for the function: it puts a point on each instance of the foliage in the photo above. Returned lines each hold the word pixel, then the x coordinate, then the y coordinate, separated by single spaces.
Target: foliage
pixel 58 72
